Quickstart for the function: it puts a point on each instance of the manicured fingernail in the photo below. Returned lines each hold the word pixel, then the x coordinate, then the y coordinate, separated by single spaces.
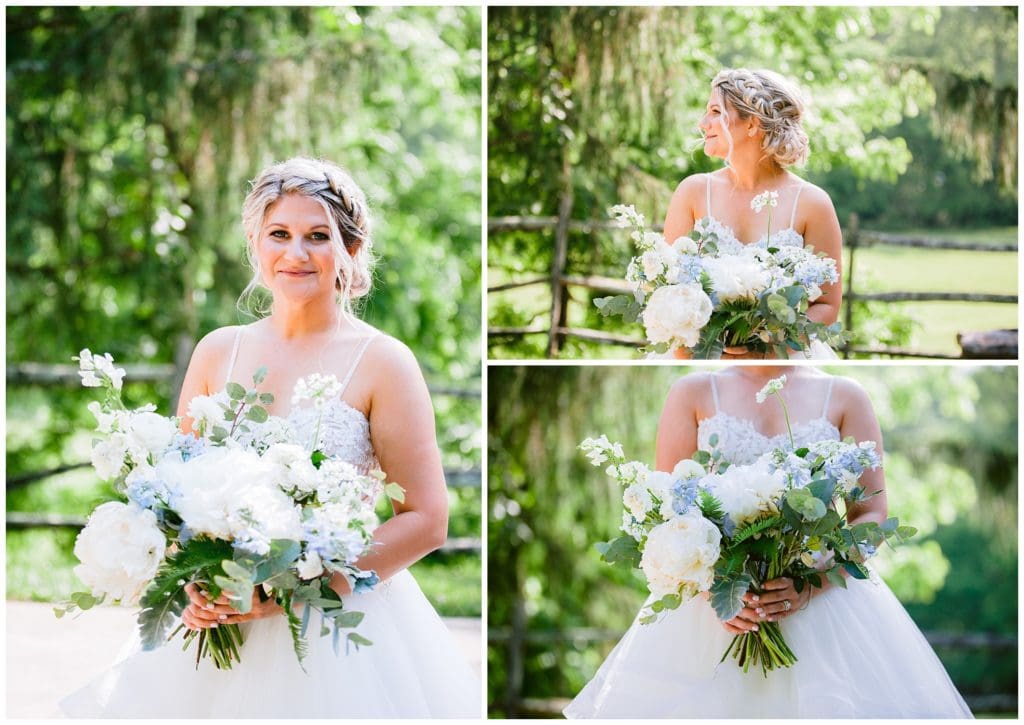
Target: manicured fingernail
pixel 213 626
pixel 223 616
pixel 756 628
pixel 210 606
pixel 759 610
pixel 760 614
pixel 757 598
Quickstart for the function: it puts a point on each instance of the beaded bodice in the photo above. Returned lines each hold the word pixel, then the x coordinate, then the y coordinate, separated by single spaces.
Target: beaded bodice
pixel 344 432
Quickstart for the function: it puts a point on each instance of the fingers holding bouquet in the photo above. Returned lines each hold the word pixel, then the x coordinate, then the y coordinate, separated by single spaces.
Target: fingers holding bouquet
pixel 204 612
pixel 778 599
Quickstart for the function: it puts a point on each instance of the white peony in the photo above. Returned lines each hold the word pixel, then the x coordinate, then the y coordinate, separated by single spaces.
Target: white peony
pixel 637 500
pixel 151 432
pixel 685 245
pixel 748 491
pixel 231 494
pixel 297 472
pixel 677 312
pixel 737 276
pixel 120 548
pixel 681 554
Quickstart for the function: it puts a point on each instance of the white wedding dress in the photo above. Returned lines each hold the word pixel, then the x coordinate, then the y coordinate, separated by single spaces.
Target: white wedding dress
pixel 859 653
pixel 412 669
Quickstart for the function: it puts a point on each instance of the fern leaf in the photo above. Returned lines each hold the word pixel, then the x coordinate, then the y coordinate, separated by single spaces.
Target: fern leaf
pixel 756 528
pixel 295 627
pixel 710 506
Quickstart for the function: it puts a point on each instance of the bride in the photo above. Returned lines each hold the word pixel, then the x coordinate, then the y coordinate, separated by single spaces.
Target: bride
pixel 753 120
pixel 859 653
pixel 308 232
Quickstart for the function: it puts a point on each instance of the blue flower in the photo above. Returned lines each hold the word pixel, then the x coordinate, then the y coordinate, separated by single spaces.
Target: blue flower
pixel 684 495
pixel 365 581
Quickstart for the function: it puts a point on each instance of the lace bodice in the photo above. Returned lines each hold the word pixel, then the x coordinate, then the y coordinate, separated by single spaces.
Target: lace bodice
pixel 729 244
pixel 742 443
pixel 344 432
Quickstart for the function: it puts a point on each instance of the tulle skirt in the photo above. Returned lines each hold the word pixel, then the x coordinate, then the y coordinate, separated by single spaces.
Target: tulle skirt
pixel 412 669
pixel 859 656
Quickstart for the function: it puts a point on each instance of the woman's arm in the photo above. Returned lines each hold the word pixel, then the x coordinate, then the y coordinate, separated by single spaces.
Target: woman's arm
pixel 682 209
pixel 403 435
pixel 821 231
pixel 677 428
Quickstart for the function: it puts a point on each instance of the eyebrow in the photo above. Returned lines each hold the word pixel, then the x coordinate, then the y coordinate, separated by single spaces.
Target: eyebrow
pixel 282 224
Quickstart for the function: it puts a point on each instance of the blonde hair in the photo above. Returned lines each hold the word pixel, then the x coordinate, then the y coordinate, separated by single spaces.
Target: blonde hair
pixel 347 214
pixel 776 104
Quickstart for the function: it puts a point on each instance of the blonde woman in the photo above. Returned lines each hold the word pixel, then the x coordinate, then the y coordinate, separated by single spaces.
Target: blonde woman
pixel 754 121
pixel 307 228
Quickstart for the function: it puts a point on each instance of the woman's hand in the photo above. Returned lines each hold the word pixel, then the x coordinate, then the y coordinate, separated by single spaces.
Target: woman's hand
pixel 204 613
pixel 778 599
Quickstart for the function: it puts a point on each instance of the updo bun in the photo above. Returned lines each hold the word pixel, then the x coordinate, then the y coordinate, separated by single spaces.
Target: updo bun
pixel 347 213
pixel 777 105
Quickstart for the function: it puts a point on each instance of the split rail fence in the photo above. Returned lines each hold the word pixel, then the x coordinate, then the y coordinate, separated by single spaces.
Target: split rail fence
pixel 996 344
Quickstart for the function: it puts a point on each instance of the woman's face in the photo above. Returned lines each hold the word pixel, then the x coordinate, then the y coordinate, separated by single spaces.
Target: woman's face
pixel 294 249
pixel 718 124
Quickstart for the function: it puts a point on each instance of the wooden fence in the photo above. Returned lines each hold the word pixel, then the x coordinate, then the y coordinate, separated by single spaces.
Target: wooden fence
pixel 516 638
pixel 44 374
pixel 560 281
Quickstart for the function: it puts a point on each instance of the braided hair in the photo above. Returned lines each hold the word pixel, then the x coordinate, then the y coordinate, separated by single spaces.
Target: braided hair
pixel 347 214
pixel 777 105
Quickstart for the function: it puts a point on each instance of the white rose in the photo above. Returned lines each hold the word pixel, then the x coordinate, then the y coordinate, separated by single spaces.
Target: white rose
pixel 681 553
pixel 151 432
pixel 120 548
pixel 736 277
pixel 687 469
pixel 677 312
pixel 685 245
pixel 309 566
pixel 206 411
pixel 108 456
pixel 652 264
pixel 637 500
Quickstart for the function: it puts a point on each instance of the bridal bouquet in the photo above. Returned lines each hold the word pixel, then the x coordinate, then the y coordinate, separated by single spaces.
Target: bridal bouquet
pixel 242 505
pixel 693 294
pixel 709 526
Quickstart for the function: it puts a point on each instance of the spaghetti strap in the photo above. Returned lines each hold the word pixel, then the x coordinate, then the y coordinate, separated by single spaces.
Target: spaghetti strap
pixel 708 211
pixel 355 362
pixel 792 217
pixel 714 392
pixel 234 355
pixel 828 398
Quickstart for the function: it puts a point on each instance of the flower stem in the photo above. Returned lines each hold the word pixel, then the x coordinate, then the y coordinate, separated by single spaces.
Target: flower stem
pixel 785 414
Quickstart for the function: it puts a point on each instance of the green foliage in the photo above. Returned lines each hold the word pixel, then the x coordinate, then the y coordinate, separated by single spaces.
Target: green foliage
pixel 727 594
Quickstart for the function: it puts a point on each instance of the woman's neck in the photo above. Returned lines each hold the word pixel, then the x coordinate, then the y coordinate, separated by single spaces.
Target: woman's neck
pixel 764 372
pixel 754 175
pixel 295 320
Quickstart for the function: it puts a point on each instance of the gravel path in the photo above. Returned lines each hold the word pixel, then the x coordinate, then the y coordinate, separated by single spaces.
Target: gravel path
pixel 48 658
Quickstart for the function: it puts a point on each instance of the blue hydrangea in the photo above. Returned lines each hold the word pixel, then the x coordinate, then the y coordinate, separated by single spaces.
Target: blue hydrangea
pixel 690 268
pixel 188 445
pixel 684 495
pixel 365 581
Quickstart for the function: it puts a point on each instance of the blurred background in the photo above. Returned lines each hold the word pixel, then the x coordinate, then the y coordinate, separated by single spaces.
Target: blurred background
pixel 555 610
pixel 913 128
pixel 132 133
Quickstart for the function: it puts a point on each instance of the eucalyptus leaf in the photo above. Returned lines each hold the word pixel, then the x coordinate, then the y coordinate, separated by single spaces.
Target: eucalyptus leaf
pixel 727 595
pixel 235 391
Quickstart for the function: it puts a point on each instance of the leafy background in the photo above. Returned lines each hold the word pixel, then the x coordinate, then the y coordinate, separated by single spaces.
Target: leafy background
pixel 131 135
pixel 912 121
pixel 951 467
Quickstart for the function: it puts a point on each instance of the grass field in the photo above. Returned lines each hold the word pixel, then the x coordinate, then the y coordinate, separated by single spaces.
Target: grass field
pixel 877 269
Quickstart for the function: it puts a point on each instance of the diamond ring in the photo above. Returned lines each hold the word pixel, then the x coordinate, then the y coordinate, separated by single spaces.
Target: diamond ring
pixel 787 604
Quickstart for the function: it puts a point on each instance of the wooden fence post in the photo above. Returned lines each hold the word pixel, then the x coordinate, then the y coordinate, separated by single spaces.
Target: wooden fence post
pixel 559 294
pixel 852 239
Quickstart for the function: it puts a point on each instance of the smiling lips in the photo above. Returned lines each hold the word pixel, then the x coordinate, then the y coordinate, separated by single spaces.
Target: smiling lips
pixel 297 272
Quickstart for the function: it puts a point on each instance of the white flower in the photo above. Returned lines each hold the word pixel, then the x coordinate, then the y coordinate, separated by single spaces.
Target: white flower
pixel 95 368
pixel 680 554
pixel 597 449
pixel 637 500
pixel 151 432
pixel 746 492
pixel 632 472
pixel 737 276
pixel 767 198
pixel 298 474
pixel 206 411
pixel 632 527
pixel 687 469
pixel 120 548
pixel 108 456
pixel 772 386
pixel 628 214
pixel 652 264
pixel 677 312
pixel 309 566
pixel 685 245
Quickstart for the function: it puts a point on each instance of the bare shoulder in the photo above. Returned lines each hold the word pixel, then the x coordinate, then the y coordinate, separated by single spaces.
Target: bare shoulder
pixel 690 391
pixel 390 359
pixel 692 188
pixel 814 199
pixel 214 348
pixel 850 395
